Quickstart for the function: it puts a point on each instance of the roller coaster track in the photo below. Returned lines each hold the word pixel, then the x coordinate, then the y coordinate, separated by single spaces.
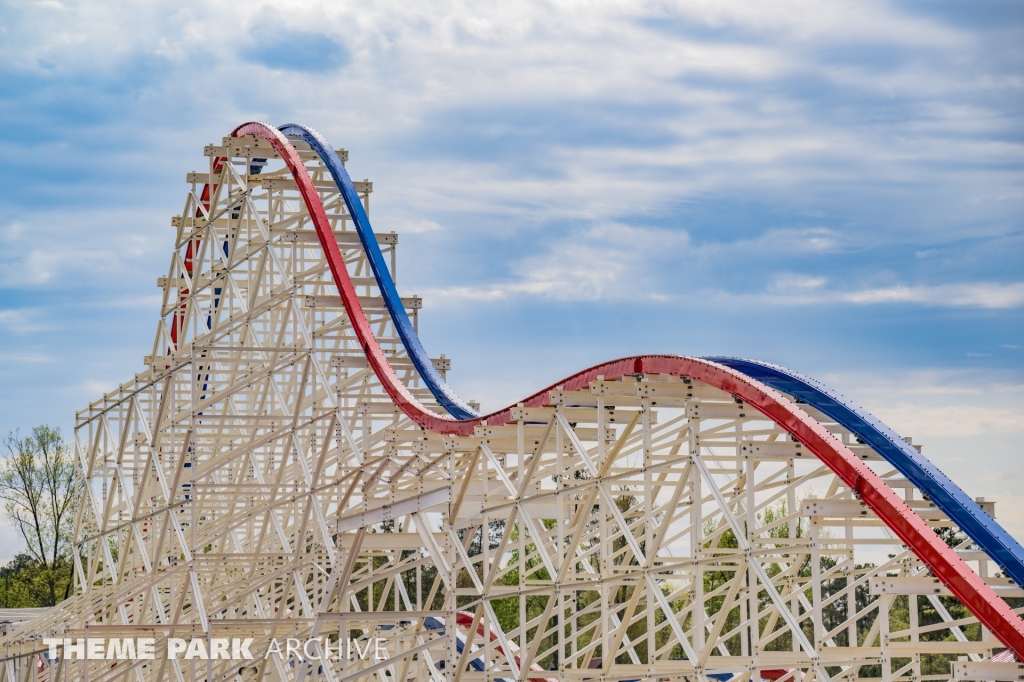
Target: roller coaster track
pixel 948 496
pixel 968 514
pixel 981 528
pixel 280 425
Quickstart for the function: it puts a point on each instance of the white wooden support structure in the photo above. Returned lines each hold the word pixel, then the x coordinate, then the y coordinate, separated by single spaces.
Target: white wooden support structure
pixel 255 481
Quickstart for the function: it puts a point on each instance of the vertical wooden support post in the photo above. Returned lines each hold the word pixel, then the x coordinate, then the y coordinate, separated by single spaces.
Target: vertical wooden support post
pixel 448 550
pixel 851 594
pixel 394 262
pixel 521 469
pixel 561 553
pixel 450 628
pixel 748 486
pixel 365 445
pixel 819 628
pixel 884 602
pixel 914 624
pixel 697 537
pixel 485 549
pixel 648 509
pixel 986 634
pixel 560 550
pixel 604 546
pixel 752 589
pixel 794 602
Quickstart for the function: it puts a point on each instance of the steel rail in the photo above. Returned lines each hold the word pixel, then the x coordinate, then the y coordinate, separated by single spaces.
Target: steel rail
pixel 444 394
pixel 941 559
pixel 918 469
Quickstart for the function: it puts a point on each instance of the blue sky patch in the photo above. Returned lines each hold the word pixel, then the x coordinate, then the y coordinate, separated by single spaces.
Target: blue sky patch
pixel 295 50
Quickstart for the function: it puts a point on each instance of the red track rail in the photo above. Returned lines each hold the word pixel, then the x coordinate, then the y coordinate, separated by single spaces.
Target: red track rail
pixel 191 251
pixel 944 563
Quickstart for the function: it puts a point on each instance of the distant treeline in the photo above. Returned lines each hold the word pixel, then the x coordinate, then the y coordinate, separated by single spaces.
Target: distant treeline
pixel 25 583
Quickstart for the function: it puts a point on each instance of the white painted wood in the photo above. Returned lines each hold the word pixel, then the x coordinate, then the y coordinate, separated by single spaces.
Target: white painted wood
pixel 254 479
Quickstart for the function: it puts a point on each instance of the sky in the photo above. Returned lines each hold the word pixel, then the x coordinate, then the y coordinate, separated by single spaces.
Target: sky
pixel 837 187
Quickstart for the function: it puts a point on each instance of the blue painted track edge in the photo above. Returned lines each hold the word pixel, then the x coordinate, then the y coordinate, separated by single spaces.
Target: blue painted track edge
pixel 441 391
pixel 919 470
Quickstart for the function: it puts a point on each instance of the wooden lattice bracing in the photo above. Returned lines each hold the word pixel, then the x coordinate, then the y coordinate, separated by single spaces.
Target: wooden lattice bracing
pixel 255 481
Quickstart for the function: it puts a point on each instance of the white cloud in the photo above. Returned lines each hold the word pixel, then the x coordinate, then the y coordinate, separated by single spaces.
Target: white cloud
pixel 60 246
pixel 606 262
pixel 420 226
pixel 20 320
pixel 928 384
pixel 60 261
pixel 13 231
pixel 961 295
pixel 963 419
pixel 808 21
pixel 467 293
pixel 91 389
pixel 29 358
pixel 788 281
pixel 792 289
pixel 939 403
pixel 1009 502
pixel 684 100
pixel 776 243
pixel 146 302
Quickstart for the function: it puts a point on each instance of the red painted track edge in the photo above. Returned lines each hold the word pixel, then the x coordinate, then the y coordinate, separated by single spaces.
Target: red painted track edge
pixel 944 563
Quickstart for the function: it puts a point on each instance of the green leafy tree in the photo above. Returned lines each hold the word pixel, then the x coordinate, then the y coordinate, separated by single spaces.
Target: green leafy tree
pixel 38 487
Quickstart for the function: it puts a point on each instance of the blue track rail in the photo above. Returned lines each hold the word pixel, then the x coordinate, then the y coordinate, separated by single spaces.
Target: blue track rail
pixel 431 377
pixel 947 495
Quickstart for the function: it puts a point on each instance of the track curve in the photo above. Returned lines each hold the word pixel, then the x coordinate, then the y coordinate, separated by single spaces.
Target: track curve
pixel 437 385
pixel 946 494
pixel 981 528
pixel 964 583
